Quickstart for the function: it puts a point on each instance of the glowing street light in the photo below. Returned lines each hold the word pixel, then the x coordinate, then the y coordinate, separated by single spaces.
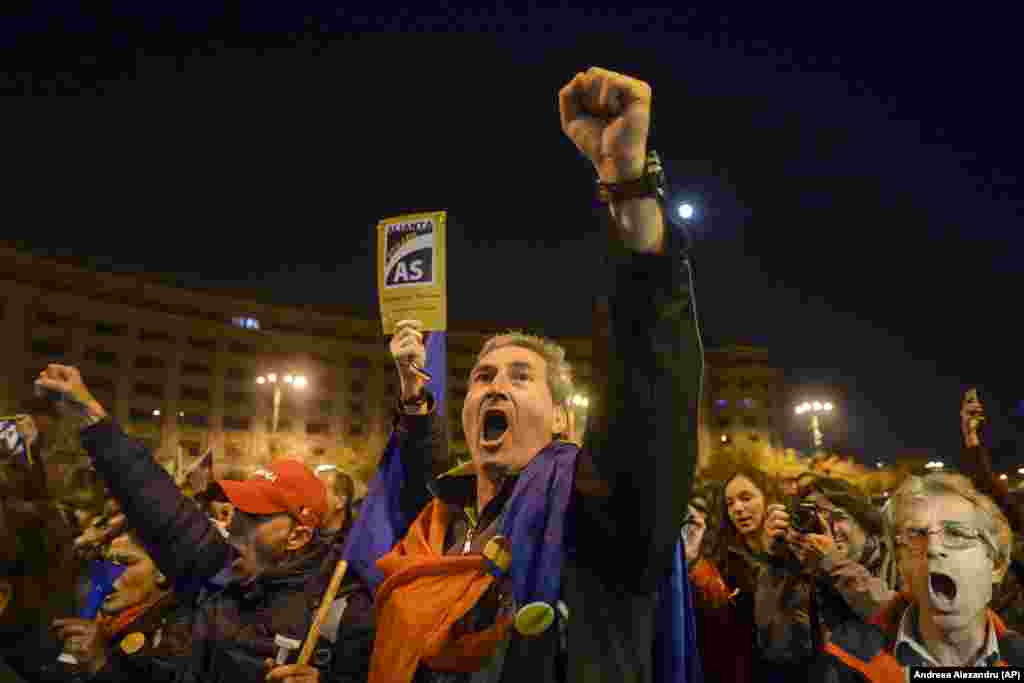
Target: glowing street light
pixel 815 408
pixel 156 413
pixel 294 381
pixel 686 211
pixel 1003 477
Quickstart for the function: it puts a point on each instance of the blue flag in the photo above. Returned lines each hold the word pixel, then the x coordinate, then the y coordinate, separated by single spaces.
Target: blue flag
pixel 382 522
pixel 102 575
pixel 676 659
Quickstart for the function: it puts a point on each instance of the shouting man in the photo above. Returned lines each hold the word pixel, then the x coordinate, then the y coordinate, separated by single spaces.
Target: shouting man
pixel 952 545
pixel 471 592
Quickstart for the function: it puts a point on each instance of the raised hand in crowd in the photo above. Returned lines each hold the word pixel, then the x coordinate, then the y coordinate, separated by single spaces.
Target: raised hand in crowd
pixel 85 639
pixel 972 417
pixel 409 353
pixel 693 531
pixel 67 382
pixel 607 115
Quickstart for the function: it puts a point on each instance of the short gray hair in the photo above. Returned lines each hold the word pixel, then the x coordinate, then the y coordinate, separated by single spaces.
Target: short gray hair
pixel 559 374
pixel 946 483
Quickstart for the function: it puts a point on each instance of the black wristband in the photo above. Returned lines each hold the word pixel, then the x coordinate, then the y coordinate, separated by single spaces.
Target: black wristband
pixel 650 184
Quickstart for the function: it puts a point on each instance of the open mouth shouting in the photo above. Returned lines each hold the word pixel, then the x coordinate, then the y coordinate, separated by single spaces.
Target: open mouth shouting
pixel 494 427
pixel 942 590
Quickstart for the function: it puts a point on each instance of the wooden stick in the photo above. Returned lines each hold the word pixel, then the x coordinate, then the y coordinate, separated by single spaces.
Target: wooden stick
pixel 321 614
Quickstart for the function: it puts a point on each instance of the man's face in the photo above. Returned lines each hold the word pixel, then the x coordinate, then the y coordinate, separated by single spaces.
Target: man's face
pixel 509 414
pixel 261 542
pixel 138 584
pixel 745 504
pixel 951 587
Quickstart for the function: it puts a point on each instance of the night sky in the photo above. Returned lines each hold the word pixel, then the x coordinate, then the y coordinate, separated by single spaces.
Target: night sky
pixel 855 174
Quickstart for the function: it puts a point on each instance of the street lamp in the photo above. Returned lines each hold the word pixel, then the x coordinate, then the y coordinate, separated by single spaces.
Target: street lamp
pixel 815 408
pixel 295 381
pixel 686 211
pixel 577 414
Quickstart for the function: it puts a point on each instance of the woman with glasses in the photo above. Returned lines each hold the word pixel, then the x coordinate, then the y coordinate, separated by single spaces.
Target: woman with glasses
pixel 952 547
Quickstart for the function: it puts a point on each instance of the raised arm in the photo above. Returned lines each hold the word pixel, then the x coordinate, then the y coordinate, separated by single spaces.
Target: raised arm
pixel 640 451
pixel 421 439
pixel 183 542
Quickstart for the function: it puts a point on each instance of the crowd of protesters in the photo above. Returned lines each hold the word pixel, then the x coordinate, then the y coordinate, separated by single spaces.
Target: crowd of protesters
pixel 546 558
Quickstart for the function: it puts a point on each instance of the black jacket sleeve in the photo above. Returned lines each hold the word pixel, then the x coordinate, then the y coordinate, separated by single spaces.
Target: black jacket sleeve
pixel 423 446
pixel 183 542
pixel 640 450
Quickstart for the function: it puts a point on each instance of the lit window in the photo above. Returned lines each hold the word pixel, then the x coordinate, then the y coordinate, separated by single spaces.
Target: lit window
pixel 246 323
pixel 721 403
pixel 748 403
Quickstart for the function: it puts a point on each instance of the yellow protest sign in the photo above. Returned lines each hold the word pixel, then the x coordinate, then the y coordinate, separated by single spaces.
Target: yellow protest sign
pixel 412 278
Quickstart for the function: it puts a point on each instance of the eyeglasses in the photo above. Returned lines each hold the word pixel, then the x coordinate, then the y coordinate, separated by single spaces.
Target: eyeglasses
pixel 952 535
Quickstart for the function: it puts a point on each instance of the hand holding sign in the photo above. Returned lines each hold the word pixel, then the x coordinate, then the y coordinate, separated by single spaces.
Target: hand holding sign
pixel 410 356
pixel 607 115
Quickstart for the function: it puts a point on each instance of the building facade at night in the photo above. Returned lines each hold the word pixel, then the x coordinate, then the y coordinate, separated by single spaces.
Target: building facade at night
pixel 743 400
pixel 178 368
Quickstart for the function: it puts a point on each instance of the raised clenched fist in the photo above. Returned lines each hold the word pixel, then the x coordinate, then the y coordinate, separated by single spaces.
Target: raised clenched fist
pixel 66 382
pixel 607 115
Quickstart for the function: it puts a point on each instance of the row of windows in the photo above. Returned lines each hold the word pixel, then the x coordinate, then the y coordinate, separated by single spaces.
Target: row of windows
pixel 748 403
pixel 236 423
pixel 726 439
pixel 747 420
pixel 721 384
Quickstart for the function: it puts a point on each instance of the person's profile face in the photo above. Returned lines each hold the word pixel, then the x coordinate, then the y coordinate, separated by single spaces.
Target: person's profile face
pixel 261 542
pixel 138 584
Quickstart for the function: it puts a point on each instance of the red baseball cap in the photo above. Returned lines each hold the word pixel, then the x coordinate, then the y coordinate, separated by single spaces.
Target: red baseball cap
pixel 283 486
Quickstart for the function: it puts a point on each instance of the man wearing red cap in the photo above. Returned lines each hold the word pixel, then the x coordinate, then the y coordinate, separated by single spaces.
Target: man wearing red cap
pixel 276 557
